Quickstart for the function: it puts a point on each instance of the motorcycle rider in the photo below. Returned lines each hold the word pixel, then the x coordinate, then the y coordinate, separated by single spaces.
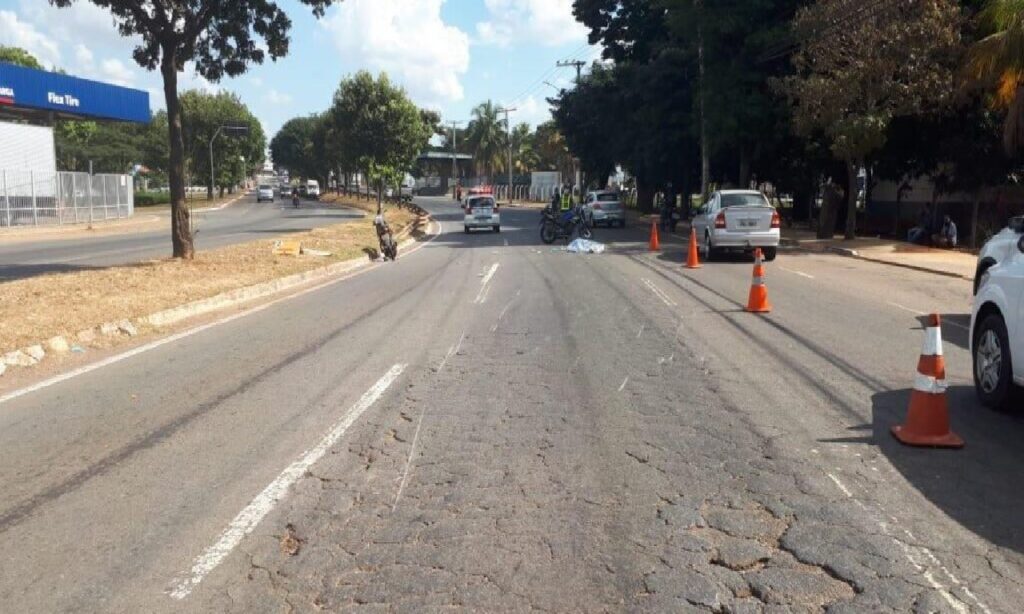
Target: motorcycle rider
pixel 295 198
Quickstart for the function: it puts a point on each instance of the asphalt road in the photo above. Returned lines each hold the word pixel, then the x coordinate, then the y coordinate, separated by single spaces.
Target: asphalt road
pixel 244 221
pixel 491 425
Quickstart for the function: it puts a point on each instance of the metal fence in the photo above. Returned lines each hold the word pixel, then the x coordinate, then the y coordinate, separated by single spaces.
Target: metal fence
pixel 37 198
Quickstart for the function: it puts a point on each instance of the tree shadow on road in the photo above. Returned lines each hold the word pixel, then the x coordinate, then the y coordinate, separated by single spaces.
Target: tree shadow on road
pixel 978 486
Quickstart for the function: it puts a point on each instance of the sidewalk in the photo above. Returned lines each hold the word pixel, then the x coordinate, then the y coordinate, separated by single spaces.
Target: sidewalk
pixel 951 263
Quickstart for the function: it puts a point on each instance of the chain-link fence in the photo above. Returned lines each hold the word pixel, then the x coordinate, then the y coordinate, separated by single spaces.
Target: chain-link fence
pixel 37 198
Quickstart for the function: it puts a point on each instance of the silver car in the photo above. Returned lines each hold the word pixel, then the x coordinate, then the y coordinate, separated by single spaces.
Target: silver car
pixel 264 192
pixel 605 207
pixel 738 220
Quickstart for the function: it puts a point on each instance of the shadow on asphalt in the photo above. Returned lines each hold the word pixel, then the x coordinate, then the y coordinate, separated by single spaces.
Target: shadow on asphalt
pixel 978 486
pixel 12 272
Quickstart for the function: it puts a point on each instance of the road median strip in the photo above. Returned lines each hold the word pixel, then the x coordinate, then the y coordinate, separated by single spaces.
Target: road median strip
pixel 102 308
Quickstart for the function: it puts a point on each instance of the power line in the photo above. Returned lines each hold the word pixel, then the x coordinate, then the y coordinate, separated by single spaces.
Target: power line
pixel 783 49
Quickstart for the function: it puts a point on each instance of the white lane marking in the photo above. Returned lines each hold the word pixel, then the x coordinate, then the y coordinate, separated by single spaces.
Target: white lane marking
pixel 658 292
pixel 408 461
pixel 641 331
pixel 263 503
pixel 908 552
pixel 795 272
pixel 484 287
pixel 925 313
pixel 506 242
pixel 624 382
pixel 501 315
pixel 842 487
pixel 106 362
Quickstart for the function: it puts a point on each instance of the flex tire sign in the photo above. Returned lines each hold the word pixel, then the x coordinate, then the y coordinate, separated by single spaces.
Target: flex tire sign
pixel 28 88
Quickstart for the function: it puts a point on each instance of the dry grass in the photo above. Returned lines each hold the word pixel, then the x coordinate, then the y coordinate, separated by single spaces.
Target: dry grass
pixel 33 310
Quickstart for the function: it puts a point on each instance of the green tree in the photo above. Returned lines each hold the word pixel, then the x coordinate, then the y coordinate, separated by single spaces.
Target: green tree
pixel 485 136
pixel 19 57
pixel 853 80
pixel 552 151
pixel 524 153
pixel 203 115
pixel 292 147
pixel 220 38
pixel 375 127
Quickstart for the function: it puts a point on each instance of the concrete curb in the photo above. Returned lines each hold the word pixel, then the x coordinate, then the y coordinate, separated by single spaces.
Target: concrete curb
pixel 852 253
pixel 32 355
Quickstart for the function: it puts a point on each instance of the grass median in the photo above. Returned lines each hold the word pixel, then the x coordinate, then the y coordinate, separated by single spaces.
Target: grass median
pixel 36 309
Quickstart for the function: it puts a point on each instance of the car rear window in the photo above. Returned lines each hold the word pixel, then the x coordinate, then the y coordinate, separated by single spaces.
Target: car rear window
pixel 607 198
pixel 482 202
pixel 264 187
pixel 744 200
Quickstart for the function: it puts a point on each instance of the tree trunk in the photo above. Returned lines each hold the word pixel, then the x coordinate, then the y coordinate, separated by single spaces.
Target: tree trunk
pixel 975 205
pixel 851 200
pixel 644 198
pixel 830 205
pixel 380 196
pixel 181 232
pixel 744 182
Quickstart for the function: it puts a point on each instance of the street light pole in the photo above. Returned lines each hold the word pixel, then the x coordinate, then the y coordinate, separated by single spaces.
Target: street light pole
pixel 455 153
pixel 508 130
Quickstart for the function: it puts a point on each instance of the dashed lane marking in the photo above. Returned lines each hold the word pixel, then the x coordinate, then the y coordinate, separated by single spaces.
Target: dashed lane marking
pixel 918 312
pixel 624 382
pixel 658 292
pixel 263 503
pixel 485 284
pixel 795 272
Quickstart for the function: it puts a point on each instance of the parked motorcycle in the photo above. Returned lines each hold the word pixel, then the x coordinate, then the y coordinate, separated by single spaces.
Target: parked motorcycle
pixel 388 245
pixel 556 225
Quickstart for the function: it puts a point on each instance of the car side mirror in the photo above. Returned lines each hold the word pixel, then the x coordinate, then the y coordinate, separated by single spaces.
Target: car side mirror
pixel 1020 244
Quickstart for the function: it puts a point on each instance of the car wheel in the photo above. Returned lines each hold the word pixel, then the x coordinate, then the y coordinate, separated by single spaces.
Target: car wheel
pixel 467 229
pixel 709 252
pixel 770 253
pixel 993 367
pixel 497 229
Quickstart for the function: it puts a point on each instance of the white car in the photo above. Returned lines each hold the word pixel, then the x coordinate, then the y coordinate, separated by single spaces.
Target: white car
pixel 482 212
pixel 264 192
pixel 313 189
pixel 997 325
pixel 738 220
pixel 606 208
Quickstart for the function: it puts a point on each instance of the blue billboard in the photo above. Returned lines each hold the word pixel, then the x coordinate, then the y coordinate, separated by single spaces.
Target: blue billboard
pixel 28 88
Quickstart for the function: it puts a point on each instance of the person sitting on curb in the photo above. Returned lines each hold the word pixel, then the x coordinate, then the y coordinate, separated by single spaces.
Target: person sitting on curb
pixel 947 235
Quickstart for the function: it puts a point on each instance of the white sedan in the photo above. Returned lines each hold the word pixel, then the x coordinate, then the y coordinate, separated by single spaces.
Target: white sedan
pixel 738 220
pixel 997 327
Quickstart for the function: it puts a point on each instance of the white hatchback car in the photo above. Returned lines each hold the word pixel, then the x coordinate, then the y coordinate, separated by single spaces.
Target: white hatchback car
pixel 738 220
pixel 997 326
pixel 482 212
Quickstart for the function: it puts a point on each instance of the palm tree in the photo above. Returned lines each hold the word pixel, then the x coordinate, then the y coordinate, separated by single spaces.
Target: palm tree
pixel 486 137
pixel 998 60
pixel 524 154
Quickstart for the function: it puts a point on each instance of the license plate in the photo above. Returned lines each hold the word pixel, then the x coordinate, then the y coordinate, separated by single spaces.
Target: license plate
pixel 746 223
pixel 483 216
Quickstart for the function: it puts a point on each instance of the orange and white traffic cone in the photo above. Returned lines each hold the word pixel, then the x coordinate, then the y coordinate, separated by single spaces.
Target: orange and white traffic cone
pixel 692 259
pixel 655 245
pixel 758 300
pixel 927 421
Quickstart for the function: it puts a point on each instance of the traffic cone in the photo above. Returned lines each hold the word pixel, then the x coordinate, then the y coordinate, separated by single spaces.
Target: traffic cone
pixel 927 421
pixel 692 259
pixel 758 301
pixel 655 242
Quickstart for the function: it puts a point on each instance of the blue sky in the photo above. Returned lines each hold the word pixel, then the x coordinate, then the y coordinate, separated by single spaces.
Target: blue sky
pixel 449 54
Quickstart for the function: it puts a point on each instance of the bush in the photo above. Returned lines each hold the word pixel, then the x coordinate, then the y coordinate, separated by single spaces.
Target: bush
pixel 150 199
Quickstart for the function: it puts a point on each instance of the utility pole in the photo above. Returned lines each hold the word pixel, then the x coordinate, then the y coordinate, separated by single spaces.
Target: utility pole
pixel 508 129
pixel 705 161
pixel 455 165
pixel 577 64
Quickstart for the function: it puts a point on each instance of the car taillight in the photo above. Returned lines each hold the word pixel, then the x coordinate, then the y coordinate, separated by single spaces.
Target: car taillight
pixel 720 220
pixel 776 220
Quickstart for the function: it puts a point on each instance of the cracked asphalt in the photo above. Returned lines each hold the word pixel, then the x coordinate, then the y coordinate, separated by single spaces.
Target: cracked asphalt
pixel 562 437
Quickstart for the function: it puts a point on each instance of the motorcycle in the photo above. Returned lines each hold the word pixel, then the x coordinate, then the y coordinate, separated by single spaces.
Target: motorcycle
pixel 388 246
pixel 556 225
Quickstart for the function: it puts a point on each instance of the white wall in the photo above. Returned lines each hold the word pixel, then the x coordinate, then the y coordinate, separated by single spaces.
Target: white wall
pixel 29 148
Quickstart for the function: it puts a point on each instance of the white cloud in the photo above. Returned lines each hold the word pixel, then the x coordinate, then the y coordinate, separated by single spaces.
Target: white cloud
pixel 83 56
pixel 18 33
pixel 408 40
pixel 531 110
pixel 543 22
pixel 117 72
pixel 277 98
